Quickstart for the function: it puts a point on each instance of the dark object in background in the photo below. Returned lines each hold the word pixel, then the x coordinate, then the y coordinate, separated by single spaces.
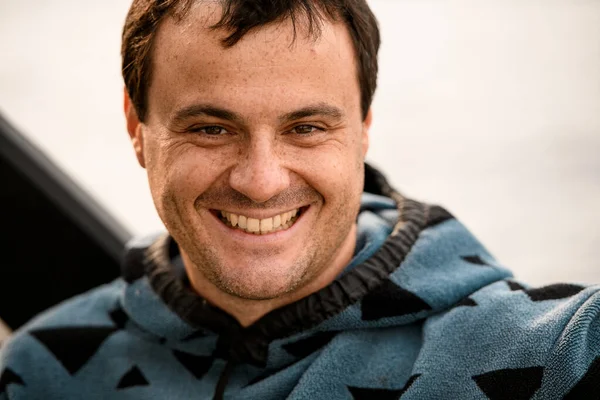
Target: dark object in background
pixel 55 240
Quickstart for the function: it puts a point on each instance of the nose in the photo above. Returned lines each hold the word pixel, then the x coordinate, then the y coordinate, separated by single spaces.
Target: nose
pixel 259 173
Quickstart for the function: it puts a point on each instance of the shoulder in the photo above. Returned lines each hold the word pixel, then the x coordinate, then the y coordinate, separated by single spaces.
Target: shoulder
pixel 64 332
pixel 549 336
pixel 89 308
pixel 509 307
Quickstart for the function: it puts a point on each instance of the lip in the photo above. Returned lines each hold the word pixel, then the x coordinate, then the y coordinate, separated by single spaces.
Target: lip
pixel 270 238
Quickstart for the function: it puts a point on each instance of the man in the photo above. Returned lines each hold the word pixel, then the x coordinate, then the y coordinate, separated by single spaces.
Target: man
pixel 291 269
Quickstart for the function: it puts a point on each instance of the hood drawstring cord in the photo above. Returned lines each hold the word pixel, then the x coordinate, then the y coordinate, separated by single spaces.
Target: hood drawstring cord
pixel 223 379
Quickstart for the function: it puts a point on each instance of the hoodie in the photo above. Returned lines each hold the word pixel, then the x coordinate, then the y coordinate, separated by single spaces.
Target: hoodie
pixel 423 311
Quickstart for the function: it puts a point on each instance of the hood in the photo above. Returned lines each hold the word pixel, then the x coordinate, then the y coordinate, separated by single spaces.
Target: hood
pixel 413 260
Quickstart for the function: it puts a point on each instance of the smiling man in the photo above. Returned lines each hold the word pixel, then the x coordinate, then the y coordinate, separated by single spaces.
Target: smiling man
pixel 254 152
pixel 290 269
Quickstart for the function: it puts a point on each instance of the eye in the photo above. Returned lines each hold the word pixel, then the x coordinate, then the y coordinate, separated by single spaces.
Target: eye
pixel 212 130
pixel 306 129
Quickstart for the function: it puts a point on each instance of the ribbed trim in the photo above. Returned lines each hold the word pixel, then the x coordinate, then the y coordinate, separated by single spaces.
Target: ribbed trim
pixel 251 344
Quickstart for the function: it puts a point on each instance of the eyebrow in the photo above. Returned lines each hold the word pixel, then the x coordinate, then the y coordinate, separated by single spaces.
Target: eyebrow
pixel 322 109
pixel 196 110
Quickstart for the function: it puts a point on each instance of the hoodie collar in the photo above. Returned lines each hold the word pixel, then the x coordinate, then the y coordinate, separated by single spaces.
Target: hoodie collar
pixel 425 262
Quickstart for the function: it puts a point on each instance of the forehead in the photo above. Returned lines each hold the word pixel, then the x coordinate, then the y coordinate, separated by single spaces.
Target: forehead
pixel 272 63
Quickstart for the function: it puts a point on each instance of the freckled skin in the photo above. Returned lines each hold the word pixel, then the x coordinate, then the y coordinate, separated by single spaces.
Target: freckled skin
pixel 258 162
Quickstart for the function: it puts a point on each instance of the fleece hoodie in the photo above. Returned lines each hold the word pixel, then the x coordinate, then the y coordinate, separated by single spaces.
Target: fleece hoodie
pixel 423 311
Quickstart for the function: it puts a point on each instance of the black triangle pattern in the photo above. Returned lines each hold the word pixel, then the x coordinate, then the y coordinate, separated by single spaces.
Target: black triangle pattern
pixel 132 378
pixel 118 317
pixel 299 350
pixel 553 292
pixel 514 286
pixel 9 376
pixel 466 302
pixel 309 345
pixel 372 394
pixel 384 394
pixel 550 292
pixel 475 260
pixel 409 383
pixel 73 346
pixel 390 300
pixel 196 365
pixel 590 383
pixel 515 384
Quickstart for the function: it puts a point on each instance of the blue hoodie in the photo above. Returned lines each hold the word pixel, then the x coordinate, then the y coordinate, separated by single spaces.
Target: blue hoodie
pixel 423 311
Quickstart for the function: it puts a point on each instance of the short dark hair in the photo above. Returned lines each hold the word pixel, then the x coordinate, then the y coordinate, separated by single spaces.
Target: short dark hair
pixel 238 18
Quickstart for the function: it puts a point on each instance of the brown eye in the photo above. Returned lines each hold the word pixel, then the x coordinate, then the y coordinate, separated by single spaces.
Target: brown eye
pixel 305 129
pixel 213 130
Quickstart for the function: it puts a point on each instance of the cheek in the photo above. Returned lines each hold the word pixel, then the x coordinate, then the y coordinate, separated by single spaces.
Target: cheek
pixel 336 175
pixel 184 171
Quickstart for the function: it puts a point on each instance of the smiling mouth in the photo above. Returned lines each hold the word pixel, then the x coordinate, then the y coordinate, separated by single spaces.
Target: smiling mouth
pixel 264 226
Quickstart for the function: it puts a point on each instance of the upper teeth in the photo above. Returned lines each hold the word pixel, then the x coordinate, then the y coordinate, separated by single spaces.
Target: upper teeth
pixel 254 225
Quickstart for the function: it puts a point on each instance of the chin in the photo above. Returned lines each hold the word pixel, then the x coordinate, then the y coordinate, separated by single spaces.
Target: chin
pixel 257 287
pixel 258 279
pixel 256 274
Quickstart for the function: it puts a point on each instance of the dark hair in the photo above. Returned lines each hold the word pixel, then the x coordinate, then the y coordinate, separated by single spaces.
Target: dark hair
pixel 238 18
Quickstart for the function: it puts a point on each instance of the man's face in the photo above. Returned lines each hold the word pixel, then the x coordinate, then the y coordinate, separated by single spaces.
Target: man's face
pixel 255 153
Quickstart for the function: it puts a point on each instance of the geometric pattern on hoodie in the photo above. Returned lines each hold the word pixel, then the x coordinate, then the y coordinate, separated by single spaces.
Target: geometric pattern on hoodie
pixel 447 322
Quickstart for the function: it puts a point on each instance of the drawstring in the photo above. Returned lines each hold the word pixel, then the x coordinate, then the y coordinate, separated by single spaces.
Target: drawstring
pixel 223 379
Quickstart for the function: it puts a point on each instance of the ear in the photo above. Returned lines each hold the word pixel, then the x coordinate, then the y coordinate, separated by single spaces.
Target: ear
pixel 134 127
pixel 365 132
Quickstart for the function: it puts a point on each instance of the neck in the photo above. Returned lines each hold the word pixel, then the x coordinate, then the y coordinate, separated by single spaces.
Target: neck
pixel 247 311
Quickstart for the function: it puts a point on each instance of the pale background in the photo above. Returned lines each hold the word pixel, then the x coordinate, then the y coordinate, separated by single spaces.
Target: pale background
pixel 490 108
